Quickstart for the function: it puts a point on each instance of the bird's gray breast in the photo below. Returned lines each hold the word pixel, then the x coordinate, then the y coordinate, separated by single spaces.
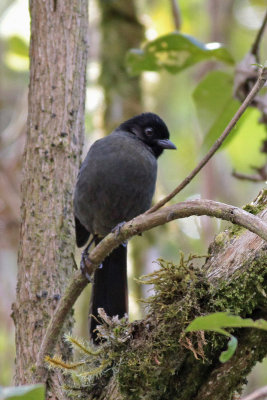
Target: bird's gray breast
pixel 116 182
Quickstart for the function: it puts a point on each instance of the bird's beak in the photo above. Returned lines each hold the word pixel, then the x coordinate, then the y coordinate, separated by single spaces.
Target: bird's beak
pixel 166 144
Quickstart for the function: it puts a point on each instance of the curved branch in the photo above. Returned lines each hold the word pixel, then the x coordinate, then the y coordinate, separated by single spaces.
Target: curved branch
pixel 258 394
pixel 247 177
pixel 134 227
pixel 75 287
pixel 256 88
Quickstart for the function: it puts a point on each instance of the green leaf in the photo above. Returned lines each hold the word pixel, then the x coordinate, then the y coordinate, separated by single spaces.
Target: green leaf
pixel 174 52
pixel 218 321
pixel 244 149
pixel 231 348
pixel 18 46
pixel 27 392
pixel 216 106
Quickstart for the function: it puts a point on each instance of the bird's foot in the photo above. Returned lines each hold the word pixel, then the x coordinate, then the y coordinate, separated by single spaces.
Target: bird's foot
pixel 83 260
pixel 83 266
pixel 117 228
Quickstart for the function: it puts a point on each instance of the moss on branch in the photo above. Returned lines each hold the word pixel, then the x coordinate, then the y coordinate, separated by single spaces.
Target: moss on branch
pixel 153 359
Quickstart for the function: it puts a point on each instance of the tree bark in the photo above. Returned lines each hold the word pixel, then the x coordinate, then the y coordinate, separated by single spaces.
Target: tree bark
pixel 55 131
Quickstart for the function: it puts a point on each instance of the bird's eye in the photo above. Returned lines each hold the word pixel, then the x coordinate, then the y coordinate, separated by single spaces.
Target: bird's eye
pixel 149 131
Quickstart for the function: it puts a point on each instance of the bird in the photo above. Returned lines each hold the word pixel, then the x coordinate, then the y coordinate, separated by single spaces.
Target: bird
pixel 115 183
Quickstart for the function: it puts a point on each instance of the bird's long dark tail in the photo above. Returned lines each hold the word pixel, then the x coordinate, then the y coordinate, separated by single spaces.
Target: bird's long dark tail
pixel 109 290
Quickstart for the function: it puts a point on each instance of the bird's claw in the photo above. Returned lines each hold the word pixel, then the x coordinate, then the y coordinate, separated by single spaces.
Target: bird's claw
pixel 83 266
pixel 117 228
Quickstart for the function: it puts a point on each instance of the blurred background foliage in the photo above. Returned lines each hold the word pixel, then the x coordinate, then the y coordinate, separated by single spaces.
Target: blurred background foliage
pixel 196 104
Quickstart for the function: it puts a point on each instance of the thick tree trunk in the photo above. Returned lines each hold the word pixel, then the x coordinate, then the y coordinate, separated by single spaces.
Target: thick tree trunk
pixel 55 130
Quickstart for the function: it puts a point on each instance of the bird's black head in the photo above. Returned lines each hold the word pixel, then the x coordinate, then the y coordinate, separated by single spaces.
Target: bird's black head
pixel 149 128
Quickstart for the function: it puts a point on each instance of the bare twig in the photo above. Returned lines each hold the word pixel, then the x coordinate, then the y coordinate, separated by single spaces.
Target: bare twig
pixel 134 227
pixel 176 14
pixel 256 44
pixel 258 394
pixel 256 88
pixel 247 177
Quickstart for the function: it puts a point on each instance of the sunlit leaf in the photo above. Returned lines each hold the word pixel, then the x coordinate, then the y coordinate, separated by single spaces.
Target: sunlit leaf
pixel 174 52
pixel 231 348
pixel 16 63
pixel 27 392
pixel 244 149
pixel 18 46
pixel 259 3
pixel 216 106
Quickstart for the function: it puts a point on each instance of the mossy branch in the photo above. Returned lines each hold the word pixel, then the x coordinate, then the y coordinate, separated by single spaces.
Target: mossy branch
pixel 159 361
pixel 134 227
pixel 156 359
